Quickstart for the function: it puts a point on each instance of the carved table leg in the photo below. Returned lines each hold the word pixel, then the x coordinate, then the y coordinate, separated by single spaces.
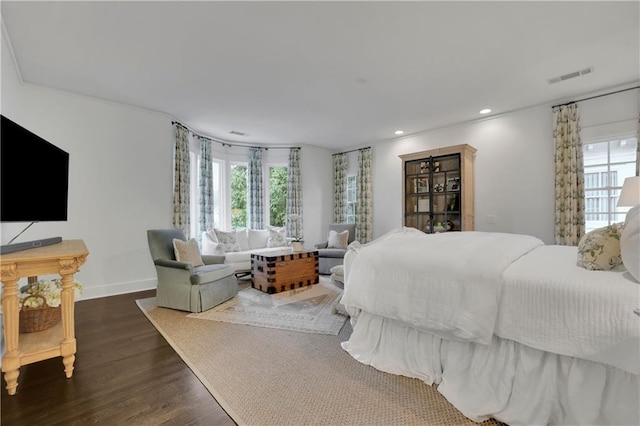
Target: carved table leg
pixel 11 359
pixel 68 346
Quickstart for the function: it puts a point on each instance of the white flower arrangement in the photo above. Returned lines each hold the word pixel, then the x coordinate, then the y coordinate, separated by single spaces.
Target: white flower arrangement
pixel 49 289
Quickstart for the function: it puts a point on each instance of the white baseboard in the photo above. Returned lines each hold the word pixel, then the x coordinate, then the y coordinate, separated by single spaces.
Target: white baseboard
pixel 118 288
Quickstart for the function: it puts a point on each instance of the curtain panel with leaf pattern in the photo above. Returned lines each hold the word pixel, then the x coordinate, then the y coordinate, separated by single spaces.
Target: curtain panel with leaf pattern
pixel 293 221
pixel 181 180
pixel 569 175
pixel 205 193
pixel 364 202
pixel 255 190
pixel 340 163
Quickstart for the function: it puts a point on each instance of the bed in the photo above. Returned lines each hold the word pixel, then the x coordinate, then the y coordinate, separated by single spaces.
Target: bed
pixel 506 326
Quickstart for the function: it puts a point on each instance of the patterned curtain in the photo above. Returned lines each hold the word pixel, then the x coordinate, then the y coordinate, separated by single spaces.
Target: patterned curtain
pixel 294 195
pixel 569 175
pixel 181 180
pixel 205 195
pixel 255 191
pixel 339 187
pixel 364 202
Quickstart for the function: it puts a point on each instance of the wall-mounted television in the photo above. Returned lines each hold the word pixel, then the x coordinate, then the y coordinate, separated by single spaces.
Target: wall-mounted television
pixel 34 176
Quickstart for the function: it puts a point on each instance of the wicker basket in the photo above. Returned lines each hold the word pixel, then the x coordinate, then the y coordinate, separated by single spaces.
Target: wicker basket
pixel 38 319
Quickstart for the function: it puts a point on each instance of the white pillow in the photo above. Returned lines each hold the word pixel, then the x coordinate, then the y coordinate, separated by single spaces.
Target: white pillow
pixel 210 243
pixel 228 240
pixel 630 243
pixel 242 238
pixel 277 238
pixel 187 251
pixel 338 240
pixel 258 238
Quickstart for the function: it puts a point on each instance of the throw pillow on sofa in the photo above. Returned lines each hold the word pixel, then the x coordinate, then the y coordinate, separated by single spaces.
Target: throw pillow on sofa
pixel 228 240
pixel 338 240
pixel 277 238
pixel 599 250
pixel 187 251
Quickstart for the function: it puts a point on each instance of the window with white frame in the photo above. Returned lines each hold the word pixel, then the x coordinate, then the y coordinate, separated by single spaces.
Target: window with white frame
pixel 229 173
pixel 351 199
pixel 606 165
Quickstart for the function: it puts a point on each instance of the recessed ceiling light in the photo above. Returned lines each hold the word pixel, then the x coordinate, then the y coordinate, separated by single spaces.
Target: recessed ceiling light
pixel 399 132
pixel 485 111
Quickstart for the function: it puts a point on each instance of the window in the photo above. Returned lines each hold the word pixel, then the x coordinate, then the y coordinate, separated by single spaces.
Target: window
pixel 606 165
pixel 238 195
pixel 277 195
pixel 351 199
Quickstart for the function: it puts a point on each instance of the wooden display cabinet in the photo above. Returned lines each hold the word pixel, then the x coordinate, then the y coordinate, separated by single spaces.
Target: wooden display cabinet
pixel 437 189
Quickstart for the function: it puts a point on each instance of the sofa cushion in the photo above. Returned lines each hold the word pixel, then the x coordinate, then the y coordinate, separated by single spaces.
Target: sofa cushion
pixel 258 238
pixel 209 273
pixel 338 240
pixel 187 251
pixel 243 238
pixel 228 240
pixel 210 244
pixel 277 238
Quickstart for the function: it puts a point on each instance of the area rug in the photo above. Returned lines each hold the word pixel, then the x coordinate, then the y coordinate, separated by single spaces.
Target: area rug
pixel 307 309
pixel 265 376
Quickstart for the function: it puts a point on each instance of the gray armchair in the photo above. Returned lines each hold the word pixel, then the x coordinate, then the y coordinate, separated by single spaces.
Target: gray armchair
pixel 330 257
pixel 183 286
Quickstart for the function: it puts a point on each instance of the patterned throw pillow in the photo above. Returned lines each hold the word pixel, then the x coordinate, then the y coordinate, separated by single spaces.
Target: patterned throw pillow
pixel 228 240
pixel 338 240
pixel 187 251
pixel 277 238
pixel 599 250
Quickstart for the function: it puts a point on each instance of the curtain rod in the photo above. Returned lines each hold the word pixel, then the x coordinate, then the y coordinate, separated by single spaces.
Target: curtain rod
pixel 353 150
pixel 233 144
pixel 596 96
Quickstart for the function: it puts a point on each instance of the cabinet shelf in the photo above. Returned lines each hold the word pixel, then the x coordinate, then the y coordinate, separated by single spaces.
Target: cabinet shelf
pixel 437 189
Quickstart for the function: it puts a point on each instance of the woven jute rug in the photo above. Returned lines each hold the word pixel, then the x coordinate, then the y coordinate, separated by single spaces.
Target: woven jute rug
pixel 264 376
pixel 308 309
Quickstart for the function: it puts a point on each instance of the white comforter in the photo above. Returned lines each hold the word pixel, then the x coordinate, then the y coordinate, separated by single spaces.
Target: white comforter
pixel 452 287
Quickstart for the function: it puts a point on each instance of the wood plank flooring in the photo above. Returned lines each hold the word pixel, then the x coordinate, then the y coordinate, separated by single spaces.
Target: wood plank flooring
pixel 125 374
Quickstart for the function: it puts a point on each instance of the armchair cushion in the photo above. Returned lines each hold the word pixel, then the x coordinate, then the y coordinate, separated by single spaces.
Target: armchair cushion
pixel 338 240
pixel 210 273
pixel 187 251
pixel 332 252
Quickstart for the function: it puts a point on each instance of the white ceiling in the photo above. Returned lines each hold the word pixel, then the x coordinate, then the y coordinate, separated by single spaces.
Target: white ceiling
pixel 332 74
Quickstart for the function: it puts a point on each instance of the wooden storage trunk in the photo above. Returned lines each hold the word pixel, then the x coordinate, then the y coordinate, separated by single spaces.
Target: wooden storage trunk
pixel 274 272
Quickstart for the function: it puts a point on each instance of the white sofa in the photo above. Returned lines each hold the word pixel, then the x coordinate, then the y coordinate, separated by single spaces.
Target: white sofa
pixel 248 241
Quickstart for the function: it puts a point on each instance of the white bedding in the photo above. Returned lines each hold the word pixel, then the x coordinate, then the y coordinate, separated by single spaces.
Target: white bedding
pixel 448 284
pixel 565 344
pixel 550 303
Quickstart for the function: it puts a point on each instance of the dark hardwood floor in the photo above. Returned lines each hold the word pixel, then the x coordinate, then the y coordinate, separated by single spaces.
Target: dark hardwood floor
pixel 125 374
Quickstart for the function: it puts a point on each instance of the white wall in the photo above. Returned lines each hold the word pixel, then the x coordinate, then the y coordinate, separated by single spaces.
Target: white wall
pixel 121 166
pixel 514 166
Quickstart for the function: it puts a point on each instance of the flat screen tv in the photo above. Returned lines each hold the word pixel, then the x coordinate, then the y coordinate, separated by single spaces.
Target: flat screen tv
pixel 34 176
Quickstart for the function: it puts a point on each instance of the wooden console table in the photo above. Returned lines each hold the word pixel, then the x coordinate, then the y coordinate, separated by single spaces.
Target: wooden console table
pixel 65 259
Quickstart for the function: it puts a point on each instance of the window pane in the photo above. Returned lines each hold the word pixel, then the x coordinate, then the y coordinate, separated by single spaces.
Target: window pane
pixel 277 195
pixel 606 165
pixel 238 196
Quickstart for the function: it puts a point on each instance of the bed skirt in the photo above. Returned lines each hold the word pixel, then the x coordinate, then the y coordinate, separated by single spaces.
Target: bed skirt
pixel 506 380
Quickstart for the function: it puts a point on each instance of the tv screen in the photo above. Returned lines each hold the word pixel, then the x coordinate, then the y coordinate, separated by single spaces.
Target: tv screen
pixel 34 176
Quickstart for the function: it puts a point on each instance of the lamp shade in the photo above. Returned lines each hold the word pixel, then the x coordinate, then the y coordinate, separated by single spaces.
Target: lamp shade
pixel 630 194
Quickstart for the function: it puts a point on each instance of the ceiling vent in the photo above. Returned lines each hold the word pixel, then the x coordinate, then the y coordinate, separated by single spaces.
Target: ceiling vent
pixel 235 132
pixel 570 75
